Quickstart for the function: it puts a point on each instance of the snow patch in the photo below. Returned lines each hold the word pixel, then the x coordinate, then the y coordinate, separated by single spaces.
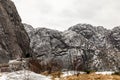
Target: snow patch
pixel 23 75
pixel 105 72
pixel 70 73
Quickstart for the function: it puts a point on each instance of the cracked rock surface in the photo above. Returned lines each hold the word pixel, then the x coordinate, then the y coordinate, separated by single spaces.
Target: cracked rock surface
pixel 87 47
pixel 14 40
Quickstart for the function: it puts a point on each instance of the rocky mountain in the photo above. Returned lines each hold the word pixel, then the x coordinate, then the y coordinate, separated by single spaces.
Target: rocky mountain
pixel 14 40
pixel 81 47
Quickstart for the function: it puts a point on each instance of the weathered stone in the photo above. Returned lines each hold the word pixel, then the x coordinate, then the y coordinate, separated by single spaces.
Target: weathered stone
pixel 14 41
pixel 81 47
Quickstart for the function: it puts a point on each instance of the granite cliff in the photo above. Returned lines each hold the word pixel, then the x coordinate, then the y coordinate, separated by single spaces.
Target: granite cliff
pixel 14 40
pixel 81 47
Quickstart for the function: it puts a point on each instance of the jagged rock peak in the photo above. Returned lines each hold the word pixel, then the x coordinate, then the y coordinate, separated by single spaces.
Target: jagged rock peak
pixel 86 30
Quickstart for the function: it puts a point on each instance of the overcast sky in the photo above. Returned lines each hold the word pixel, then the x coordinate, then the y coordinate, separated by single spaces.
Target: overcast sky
pixel 61 14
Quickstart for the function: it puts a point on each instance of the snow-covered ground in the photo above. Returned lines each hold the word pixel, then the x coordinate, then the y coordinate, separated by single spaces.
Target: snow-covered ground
pixel 23 75
pixel 69 73
pixel 105 72
pixel 28 75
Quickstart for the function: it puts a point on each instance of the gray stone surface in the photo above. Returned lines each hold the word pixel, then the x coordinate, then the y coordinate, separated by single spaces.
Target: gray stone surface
pixel 82 46
pixel 14 41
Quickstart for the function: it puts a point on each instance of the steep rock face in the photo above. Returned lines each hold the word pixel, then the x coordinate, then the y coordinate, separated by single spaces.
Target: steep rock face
pixel 14 41
pixel 45 41
pixel 115 37
pixel 81 47
pixel 99 52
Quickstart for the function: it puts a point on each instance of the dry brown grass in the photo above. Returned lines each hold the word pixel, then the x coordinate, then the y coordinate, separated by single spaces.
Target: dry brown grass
pixel 0 74
pixel 92 76
pixel 54 75
pixel 45 73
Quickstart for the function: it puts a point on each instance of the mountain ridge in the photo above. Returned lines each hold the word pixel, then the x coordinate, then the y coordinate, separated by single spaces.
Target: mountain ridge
pixel 92 48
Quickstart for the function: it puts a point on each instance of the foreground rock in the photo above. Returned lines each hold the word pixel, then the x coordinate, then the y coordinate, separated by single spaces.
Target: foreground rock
pixel 81 47
pixel 14 41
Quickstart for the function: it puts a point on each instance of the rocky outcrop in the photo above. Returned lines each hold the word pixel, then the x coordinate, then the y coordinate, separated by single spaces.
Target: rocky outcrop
pixel 14 41
pixel 115 37
pixel 81 47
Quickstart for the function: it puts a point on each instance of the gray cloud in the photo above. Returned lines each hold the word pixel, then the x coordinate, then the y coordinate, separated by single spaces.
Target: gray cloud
pixel 61 14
